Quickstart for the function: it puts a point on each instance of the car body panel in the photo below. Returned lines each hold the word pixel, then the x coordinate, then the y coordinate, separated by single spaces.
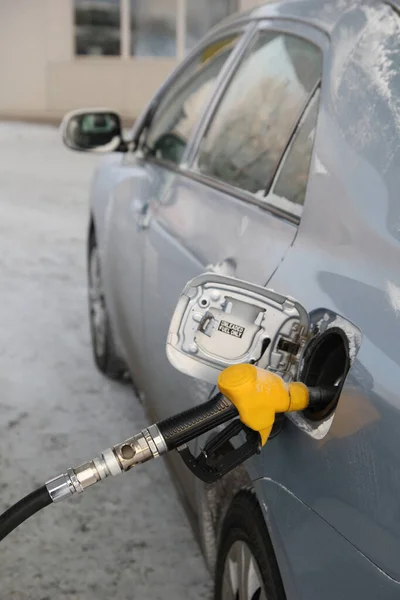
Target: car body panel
pixel 131 200
pixel 345 258
pixel 106 177
pixel 315 561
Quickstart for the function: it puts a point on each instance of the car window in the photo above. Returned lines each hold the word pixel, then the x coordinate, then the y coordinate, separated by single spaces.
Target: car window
pixel 289 190
pixel 183 102
pixel 252 125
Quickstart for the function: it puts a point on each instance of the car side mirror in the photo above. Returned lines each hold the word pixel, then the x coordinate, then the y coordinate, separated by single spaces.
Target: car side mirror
pixel 94 130
pixel 221 321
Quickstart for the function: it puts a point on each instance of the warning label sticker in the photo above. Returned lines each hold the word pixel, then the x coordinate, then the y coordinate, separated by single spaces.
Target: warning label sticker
pixel 231 329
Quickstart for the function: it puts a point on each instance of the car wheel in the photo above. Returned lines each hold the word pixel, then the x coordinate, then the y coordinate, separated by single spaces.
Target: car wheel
pixel 104 352
pixel 246 564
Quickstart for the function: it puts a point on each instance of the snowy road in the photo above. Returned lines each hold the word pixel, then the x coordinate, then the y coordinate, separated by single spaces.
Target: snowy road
pixel 127 538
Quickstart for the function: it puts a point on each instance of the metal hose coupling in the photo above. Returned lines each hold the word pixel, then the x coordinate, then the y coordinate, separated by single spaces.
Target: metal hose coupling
pixel 138 449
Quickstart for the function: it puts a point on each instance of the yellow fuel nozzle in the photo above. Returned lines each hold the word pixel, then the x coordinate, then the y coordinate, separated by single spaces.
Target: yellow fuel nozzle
pixel 259 395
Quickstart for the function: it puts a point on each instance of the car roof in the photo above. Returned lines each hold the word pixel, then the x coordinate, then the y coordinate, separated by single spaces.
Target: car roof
pixel 324 14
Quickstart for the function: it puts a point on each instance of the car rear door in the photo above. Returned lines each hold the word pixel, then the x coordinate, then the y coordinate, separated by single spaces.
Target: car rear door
pixel 217 210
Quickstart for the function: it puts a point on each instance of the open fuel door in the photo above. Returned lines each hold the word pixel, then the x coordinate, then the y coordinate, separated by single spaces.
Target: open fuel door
pixel 220 321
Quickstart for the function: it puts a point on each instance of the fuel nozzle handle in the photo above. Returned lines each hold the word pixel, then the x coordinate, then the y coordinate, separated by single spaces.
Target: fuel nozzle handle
pixel 259 395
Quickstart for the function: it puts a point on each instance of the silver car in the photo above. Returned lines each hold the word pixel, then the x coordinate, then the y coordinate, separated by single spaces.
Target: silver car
pixel 272 154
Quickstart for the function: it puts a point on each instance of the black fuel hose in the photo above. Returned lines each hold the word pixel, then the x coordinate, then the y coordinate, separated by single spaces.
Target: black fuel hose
pixel 22 510
pixel 175 431
pixel 192 423
pixel 320 397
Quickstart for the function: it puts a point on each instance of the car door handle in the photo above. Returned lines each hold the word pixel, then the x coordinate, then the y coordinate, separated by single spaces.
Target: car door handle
pixel 227 266
pixel 139 206
pixel 144 215
pixel 143 220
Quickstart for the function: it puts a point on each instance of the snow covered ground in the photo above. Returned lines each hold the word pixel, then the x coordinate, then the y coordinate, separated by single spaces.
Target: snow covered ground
pixel 126 538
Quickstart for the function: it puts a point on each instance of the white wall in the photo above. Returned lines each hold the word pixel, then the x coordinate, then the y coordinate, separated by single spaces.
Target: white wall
pixel 124 85
pixel 41 78
pixel 248 4
pixel 22 55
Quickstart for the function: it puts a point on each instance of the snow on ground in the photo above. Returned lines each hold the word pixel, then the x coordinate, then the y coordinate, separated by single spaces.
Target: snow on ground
pixel 125 538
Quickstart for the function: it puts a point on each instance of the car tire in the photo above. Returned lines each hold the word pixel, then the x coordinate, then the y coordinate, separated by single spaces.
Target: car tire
pixel 207 501
pixel 246 566
pixel 103 346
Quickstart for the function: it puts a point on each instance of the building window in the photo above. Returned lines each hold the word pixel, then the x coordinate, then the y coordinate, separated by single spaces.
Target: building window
pixel 153 27
pixel 145 27
pixel 97 27
pixel 202 15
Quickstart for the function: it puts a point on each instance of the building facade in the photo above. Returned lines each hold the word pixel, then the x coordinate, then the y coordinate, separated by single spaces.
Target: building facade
pixel 57 55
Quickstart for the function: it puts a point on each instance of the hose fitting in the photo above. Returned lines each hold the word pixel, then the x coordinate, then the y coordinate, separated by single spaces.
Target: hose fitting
pixel 147 444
